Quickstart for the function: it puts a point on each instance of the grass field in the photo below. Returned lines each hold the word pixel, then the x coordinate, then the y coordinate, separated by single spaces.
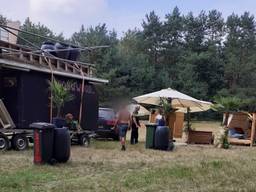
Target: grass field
pixel 103 167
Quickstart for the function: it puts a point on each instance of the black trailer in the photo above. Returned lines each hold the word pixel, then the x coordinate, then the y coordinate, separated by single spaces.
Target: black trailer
pixel 24 89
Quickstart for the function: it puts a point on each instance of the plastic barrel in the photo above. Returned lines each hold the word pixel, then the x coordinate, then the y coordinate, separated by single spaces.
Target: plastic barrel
pixel 49 47
pixel 162 137
pixel 59 52
pixel 150 135
pixel 43 142
pixel 59 122
pixel 61 147
pixel 74 53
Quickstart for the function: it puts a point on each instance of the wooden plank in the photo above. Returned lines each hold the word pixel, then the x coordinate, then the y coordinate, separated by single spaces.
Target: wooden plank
pixel 235 141
pixel 6 120
pixel 30 57
pixel 253 129
pixel 21 54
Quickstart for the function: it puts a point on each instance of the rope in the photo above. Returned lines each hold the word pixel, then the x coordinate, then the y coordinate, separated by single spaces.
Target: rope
pixel 49 38
pixel 82 97
pixel 51 96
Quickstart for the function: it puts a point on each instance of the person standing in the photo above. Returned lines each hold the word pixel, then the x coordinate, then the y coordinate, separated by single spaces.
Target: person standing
pixel 160 121
pixel 123 123
pixel 135 126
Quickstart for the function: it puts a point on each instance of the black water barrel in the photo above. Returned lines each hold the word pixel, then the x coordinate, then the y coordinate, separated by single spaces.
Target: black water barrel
pixel 162 137
pixel 74 53
pixel 59 53
pixel 61 147
pixel 49 47
pixel 59 122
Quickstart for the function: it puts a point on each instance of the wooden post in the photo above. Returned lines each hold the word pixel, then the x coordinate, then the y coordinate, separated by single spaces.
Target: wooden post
pixel 253 128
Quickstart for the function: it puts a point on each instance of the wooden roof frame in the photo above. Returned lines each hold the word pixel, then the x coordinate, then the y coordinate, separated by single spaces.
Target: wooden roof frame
pixel 22 58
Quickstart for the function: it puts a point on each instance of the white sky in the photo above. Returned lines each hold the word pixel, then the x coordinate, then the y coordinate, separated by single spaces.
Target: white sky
pixel 67 16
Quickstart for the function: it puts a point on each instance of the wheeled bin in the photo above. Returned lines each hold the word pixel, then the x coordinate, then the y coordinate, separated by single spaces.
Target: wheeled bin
pixel 43 142
pixel 150 135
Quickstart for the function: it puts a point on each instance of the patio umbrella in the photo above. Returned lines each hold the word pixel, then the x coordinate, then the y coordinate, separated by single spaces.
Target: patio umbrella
pixel 142 112
pixel 178 100
pixel 204 106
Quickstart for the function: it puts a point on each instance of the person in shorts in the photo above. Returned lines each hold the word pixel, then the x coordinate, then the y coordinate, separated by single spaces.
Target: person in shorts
pixel 123 123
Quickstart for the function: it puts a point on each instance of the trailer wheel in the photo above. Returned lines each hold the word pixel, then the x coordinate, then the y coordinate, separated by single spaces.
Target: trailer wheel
pixel 84 140
pixel 19 142
pixel 4 143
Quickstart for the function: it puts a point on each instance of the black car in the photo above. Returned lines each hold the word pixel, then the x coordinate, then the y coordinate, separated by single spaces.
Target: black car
pixel 106 124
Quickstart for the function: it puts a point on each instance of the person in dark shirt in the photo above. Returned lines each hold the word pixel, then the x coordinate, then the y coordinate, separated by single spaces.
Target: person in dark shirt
pixel 135 126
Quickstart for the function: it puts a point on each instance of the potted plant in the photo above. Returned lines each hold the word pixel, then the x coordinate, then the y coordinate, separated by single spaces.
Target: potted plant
pixel 167 108
pixel 187 127
pixel 60 96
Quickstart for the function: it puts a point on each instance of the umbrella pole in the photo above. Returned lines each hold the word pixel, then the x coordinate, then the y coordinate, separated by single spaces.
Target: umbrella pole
pixel 188 119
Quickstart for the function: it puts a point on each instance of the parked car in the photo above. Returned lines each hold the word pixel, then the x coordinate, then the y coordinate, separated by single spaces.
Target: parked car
pixel 106 124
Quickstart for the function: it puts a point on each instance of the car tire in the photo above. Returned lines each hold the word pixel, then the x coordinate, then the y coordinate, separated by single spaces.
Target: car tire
pixel 20 142
pixel 84 140
pixel 4 143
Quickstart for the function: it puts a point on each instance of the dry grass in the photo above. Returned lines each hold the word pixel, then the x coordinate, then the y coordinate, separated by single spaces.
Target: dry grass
pixel 103 167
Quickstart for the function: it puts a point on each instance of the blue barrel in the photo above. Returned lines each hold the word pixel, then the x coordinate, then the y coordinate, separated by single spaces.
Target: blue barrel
pixel 162 137
pixel 74 53
pixel 59 122
pixel 61 146
pixel 49 47
pixel 62 54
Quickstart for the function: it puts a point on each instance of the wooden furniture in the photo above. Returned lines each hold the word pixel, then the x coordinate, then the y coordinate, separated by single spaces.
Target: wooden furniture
pixel 240 120
pixel 235 141
pixel 176 121
pixel 200 137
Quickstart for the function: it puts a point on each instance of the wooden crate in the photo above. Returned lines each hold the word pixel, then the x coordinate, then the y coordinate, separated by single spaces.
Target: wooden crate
pixel 200 137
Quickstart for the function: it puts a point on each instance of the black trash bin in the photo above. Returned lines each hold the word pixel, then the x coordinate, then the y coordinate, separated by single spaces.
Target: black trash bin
pixel 43 142
pixel 62 143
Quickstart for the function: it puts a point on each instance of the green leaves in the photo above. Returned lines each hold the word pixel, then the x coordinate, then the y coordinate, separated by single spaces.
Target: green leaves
pixel 227 104
pixel 60 95
pixel 166 106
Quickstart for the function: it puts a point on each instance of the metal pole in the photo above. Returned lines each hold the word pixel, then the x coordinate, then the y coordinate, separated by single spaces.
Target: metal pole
pixel 188 118
pixel 253 129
